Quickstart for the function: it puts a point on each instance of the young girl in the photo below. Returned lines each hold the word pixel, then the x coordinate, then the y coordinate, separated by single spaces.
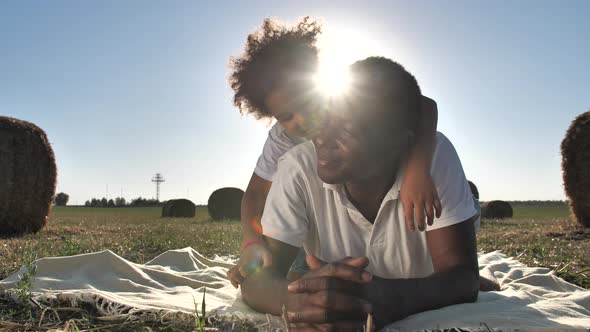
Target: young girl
pixel 273 79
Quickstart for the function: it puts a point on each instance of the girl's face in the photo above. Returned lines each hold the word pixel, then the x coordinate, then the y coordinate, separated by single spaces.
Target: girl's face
pixel 297 111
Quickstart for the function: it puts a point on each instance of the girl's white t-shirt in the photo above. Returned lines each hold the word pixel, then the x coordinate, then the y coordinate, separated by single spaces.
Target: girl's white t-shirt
pixel 276 145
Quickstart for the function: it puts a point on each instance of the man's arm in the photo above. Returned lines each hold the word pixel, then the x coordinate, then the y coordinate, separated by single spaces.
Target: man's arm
pixel 451 244
pixel 455 278
pixel 336 308
pixel 285 223
pixel 266 290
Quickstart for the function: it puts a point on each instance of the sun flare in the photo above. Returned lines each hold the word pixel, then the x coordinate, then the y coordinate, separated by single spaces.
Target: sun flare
pixel 333 80
pixel 339 48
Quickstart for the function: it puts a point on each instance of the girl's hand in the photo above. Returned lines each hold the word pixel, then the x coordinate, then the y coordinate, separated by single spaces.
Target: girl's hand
pixel 419 198
pixel 418 192
pixel 255 256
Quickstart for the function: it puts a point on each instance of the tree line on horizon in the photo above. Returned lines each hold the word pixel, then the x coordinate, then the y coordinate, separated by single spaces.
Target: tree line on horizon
pixel 539 203
pixel 121 202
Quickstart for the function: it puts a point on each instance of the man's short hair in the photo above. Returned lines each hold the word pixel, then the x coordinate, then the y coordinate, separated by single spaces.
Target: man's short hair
pixel 390 87
pixel 273 55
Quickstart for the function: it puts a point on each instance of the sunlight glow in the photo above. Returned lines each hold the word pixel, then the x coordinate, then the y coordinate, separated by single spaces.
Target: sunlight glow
pixel 340 47
pixel 333 80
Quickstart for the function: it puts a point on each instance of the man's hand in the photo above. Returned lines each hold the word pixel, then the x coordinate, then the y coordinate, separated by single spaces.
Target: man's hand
pixel 371 291
pixel 330 297
pixel 255 256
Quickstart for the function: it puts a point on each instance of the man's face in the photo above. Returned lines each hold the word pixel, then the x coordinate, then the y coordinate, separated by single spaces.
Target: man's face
pixel 351 145
pixel 298 110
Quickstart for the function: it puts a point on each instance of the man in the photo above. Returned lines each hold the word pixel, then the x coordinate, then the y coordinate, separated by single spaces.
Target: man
pixel 273 79
pixel 338 197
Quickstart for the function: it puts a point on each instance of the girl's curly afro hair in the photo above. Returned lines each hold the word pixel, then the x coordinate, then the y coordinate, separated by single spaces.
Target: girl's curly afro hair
pixel 273 54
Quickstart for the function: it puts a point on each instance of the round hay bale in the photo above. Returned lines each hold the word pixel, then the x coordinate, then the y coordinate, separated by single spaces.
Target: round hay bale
pixel 474 190
pixel 27 177
pixel 178 208
pixel 497 210
pixel 166 208
pixel 575 165
pixel 225 203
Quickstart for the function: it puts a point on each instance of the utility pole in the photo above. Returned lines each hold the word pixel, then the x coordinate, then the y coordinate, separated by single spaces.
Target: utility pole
pixel 158 178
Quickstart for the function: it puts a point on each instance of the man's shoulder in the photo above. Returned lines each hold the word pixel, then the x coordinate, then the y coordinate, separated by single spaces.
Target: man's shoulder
pixel 302 157
pixel 443 148
pixel 442 140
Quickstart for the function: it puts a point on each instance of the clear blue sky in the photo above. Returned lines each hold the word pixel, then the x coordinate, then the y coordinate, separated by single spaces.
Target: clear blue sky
pixel 125 89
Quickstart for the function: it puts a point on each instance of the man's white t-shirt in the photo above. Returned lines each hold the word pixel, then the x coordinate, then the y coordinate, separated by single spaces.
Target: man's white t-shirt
pixel 276 145
pixel 302 210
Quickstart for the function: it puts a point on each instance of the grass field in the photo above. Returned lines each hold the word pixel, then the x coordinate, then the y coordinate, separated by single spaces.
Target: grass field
pixel 541 236
pixel 137 234
pixel 540 212
pixel 537 235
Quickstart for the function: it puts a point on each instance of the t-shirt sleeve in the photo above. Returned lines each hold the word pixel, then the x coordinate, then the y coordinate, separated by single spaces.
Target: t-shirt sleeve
pixel 453 190
pixel 285 218
pixel 275 146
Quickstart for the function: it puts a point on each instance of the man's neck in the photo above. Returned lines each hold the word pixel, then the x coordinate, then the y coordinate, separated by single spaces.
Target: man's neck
pixel 367 194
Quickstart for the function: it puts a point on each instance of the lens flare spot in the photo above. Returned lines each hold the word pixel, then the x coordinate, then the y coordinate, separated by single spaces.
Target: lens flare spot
pixel 256 226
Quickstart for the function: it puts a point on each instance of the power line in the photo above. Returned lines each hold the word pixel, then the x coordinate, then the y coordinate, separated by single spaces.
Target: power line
pixel 158 178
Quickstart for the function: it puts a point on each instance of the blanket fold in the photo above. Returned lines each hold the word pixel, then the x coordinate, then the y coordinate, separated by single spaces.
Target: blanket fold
pixel 170 284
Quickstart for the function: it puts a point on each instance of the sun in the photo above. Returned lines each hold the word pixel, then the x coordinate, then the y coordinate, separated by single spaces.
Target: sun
pixel 339 48
pixel 332 80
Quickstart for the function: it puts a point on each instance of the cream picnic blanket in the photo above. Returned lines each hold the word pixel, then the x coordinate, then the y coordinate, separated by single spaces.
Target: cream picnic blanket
pixel 170 284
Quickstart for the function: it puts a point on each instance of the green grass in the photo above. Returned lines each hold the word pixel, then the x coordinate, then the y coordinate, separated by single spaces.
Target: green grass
pixel 537 235
pixel 137 234
pixel 541 236
pixel 543 212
